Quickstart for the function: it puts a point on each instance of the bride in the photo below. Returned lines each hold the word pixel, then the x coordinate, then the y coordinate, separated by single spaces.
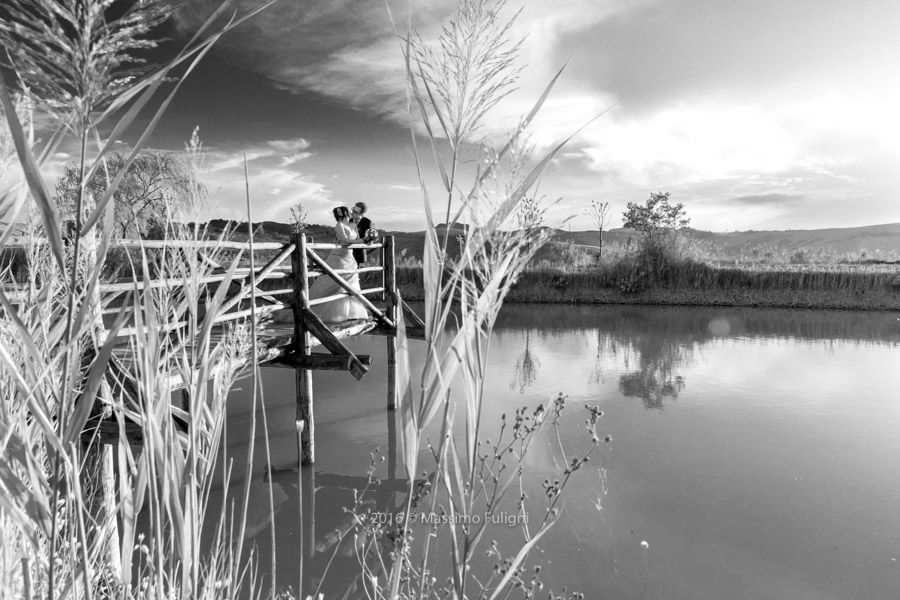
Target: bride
pixel 346 307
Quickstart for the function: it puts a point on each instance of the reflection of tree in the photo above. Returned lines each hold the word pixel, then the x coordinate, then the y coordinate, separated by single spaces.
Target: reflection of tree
pixel 653 364
pixel 607 347
pixel 527 367
pixel 651 386
pixel 648 348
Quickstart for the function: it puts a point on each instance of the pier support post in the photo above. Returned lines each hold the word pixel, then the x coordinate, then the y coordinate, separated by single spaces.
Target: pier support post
pixel 390 298
pixel 303 377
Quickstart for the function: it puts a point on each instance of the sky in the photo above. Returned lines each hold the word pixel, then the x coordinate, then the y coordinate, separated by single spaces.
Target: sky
pixel 755 114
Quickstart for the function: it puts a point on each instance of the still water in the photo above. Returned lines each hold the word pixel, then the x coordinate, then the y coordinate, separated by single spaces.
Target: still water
pixel 755 453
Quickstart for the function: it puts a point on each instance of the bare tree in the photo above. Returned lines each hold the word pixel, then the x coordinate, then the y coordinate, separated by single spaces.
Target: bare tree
pixel 155 186
pixel 529 214
pixel 299 218
pixel 598 212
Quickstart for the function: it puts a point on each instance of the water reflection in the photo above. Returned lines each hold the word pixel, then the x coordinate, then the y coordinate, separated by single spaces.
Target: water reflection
pixel 527 366
pixel 651 385
pixel 655 348
pixel 775 467
pixel 849 326
pixel 316 536
pixel 648 349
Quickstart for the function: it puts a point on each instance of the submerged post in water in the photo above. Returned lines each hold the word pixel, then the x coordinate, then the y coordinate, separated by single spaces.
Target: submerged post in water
pixel 302 377
pixel 390 298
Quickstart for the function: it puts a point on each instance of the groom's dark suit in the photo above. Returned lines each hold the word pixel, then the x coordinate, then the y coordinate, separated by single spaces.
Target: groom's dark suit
pixel 363 224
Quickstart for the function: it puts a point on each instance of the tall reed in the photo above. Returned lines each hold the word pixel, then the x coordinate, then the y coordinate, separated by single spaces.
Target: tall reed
pixel 452 88
pixel 63 388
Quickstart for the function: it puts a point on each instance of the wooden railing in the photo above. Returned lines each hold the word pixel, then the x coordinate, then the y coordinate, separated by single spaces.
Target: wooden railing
pixel 294 351
pixel 277 268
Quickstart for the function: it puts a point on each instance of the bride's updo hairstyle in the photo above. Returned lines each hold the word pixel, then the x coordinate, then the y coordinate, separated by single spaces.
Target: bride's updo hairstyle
pixel 340 212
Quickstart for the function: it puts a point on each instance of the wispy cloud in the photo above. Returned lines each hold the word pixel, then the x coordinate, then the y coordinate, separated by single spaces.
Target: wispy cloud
pixel 768 199
pixel 290 159
pixel 289 146
pixel 227 161
pixel 287 152
pixel 228 194
pixel 345 50
pixel 272 168
pixel 349 51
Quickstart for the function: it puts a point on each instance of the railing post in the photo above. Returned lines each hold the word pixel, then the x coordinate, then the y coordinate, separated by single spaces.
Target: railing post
pixel 390 292
pixel 303 377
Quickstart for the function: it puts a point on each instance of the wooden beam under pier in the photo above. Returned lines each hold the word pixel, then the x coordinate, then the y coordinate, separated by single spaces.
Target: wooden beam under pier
pixel 274 347
pixel 321 331
pixel 321 361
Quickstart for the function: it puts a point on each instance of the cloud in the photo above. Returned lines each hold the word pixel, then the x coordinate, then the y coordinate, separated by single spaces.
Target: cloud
pixel 404 187
pixel 289 151
pixel 315 196
pixel 767 199
pixel 391 217
pixel 232 160
pixel 349 52
pixel 681 50
pixel 393 208
pixel 293 158
pixel 289 146
pixel 228 194
pixel 271 170
pixel 343 49
pixel 733 103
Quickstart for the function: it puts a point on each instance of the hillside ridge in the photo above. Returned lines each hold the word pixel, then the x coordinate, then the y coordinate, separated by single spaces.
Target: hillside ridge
pixel 872 239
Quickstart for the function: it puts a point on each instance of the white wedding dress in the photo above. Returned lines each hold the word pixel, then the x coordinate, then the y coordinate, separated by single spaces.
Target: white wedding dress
pixel 346 307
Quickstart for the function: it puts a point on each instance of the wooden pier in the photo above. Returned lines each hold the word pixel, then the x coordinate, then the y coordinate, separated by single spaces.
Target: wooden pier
pixel 311 346
pixel 308 329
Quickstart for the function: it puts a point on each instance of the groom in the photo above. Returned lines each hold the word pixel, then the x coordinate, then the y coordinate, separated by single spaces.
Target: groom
pixel 363 224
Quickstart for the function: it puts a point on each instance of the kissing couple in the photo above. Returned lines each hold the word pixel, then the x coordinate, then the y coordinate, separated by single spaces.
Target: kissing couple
pixel 351 227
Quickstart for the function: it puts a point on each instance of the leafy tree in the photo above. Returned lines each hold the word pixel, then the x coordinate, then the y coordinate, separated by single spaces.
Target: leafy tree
pixel 657 218
pixel 155 186
pixel 598 212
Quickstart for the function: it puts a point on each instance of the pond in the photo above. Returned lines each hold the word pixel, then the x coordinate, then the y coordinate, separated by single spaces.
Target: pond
pixel 755 453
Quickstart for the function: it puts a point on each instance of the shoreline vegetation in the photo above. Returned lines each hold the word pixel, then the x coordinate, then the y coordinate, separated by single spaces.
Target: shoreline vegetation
pixel 771 270
pixel 729 287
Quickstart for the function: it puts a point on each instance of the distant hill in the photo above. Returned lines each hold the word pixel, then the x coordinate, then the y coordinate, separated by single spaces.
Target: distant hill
pixel 875 240
pixel 872 238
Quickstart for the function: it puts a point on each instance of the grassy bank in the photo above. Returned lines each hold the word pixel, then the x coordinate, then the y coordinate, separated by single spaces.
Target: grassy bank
pixel 846 288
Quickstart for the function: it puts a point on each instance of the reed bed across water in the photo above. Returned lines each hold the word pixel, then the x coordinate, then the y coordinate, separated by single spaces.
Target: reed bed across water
pixel 836 286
